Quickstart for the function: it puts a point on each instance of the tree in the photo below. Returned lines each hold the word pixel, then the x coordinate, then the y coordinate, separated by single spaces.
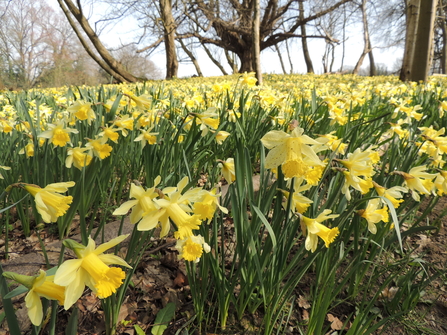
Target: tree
pixel 228 25
pixel 412 18
pixel 367 48
pixel 22 42
pixel 95 48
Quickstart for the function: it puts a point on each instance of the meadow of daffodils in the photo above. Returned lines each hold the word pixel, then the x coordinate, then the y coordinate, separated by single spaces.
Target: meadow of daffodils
pixel 347 168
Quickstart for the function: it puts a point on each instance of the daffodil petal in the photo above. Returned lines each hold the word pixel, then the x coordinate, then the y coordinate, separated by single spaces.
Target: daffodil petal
pixel 34 306
pixel 66 272
pixel 114 241
pixel 125 207
pixel 112 259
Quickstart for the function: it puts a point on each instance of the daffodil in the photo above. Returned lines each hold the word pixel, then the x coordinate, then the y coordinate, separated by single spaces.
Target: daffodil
pixel 175 206
pixel 291 151
pixel 441 183
pixel 228 171
pixel 82 110
pixel 221 136
pixel 38 286
pixel 299 203
pixel 206 206
pixel 49 203
pixel 359 163
pixel 58 134
pixel 192 247
pixel 90 269
pixel 418 181
pixel 360 184
pixel 393 194
pixel 4 168
pixel 373 214
pixel 146 137
pixel 142 205
pixel 314 229
pixel 99 147
pixel 77 157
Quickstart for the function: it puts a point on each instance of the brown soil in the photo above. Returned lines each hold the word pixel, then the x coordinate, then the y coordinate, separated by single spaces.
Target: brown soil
pixel 160 278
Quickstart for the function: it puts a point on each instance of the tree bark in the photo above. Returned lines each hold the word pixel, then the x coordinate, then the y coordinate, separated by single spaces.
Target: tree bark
pixel 169 37
pixel 306 54
pixel 366 40
pixel 424 41
pixel 257 40
pixel 412 18
pixel 112 65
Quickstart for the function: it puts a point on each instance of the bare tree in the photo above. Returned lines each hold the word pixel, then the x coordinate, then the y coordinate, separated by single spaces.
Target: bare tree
pixel 306 53
pixel 95 48
pixel 367 49
pixel 228 25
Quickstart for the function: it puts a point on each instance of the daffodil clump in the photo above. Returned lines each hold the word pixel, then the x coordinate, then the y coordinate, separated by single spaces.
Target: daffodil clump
pixel 186 210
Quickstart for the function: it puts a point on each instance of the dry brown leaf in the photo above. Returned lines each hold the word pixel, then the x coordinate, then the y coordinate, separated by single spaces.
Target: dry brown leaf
pixel 305 315
pixel 180 280
pixel 336 324
pixel 303 303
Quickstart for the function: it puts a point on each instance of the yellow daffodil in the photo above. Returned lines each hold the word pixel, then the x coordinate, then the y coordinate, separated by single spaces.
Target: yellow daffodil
pixel 291 151
pixel 418 181
pixel 110 133
pixel 142 102
pixel 58 134
pixel 90 269
pixel 146 137
pixel 393 194
pixel 142 205
pixel 221 136
pixel 228 171
pixel 441 183
pixel 314 229
pixel 249 79
pixel 192 247
pixel 206 206
pixel 362 185
pixel 39 286
pixel 99 148
pixel 374 214
pixel 359 163
pixel 300 203
pixel 82 111
pixel 4 168
pixel 49 203
pixel 77 157
pixel 176 206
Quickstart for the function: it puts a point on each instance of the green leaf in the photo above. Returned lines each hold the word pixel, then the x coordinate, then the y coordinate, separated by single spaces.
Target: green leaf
pixel 15 292
pixel 164 316
pixel 139 330
pixel 72 327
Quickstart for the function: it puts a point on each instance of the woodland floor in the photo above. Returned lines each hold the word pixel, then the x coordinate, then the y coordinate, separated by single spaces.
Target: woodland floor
pixel 160 279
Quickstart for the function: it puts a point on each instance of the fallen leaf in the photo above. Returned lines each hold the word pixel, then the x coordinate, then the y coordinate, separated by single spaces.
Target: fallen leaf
pixel 336 324
pixel 303 303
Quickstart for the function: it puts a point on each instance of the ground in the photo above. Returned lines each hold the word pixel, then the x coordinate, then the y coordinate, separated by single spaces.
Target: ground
pixel 160 278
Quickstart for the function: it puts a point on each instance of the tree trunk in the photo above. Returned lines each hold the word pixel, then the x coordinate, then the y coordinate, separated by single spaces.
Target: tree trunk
pixel 307 59
pixel 169 37
pixel 112 67
pixel 192 57
pixel 372 64
pixel 257 40
pixel 246 58
pixel 444 47
pixel 366 40
pixel 424 41
pixel 231 61
pixel 412 17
